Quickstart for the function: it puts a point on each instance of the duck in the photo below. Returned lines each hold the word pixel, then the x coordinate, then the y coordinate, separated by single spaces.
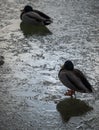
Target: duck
pixel 74 79
pixel 34 17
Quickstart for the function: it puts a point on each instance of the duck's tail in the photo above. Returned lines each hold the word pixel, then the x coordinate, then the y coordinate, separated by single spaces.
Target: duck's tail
pixel 48 21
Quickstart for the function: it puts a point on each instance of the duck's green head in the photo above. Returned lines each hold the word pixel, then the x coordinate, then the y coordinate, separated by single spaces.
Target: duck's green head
pixel 27 8
pixel 68 65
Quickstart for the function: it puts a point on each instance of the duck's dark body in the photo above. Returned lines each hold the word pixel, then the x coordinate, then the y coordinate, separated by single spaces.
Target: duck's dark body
pixel 34 17
pixel 75 80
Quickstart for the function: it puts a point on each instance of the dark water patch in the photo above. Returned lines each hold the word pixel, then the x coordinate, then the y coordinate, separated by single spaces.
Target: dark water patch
pixel 1 60
pixel 72 107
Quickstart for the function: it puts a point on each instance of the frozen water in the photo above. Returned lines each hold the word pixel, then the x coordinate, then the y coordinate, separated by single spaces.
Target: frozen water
pixel 29 84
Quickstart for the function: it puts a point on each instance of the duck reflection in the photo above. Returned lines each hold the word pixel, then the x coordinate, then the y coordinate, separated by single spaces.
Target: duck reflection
pixel 72 107
pixel 29 30
pixel 1 60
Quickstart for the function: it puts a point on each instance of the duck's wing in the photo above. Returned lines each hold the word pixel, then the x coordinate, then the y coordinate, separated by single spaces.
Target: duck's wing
pixel 70 80
pixel 42 14
pixel 83 79
pixel 34 15
pixel 74 80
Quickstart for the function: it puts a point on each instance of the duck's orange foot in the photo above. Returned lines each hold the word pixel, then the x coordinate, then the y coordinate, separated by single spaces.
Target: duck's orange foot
pixel 70 93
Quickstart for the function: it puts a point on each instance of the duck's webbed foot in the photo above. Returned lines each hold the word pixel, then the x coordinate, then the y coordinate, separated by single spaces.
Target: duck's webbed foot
pixel 70 93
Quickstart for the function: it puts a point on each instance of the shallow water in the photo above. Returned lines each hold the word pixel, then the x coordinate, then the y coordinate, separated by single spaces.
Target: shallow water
pixel 29 86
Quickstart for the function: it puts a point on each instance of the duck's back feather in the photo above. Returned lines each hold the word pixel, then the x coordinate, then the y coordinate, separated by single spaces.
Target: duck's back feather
pixel 42 14
pixel 34 17
pixel 84 80
pixel 47 20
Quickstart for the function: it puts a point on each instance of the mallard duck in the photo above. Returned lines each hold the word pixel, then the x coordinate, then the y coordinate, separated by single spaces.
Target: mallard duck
pixel 35 17
pixel 74 79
